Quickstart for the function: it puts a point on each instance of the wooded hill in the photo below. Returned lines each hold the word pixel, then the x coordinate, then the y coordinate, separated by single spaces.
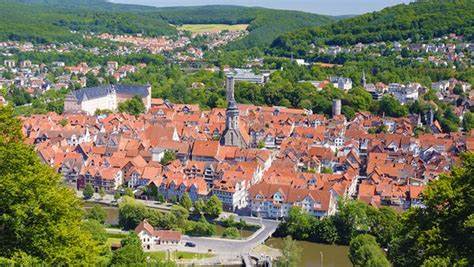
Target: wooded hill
pixel 423 19
pixel 53 20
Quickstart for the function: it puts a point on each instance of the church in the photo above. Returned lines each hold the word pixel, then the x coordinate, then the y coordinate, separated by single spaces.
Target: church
pixel 88 100
pixel 233 135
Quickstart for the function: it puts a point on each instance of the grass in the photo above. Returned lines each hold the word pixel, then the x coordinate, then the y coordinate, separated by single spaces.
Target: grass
pixel 201 28
pixel 178 255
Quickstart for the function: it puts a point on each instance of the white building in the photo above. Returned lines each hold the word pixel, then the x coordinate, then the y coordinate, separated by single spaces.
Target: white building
pixel 89 100
pixel 152 238
pixel 341 82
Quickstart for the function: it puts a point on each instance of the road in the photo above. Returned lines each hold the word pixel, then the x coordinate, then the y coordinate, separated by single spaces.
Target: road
pixel 228 247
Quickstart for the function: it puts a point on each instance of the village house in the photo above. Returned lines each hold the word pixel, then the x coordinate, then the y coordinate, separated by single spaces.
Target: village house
pixel 152 239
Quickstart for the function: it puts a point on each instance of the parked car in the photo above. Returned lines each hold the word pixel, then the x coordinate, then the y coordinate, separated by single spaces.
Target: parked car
pixel 189 244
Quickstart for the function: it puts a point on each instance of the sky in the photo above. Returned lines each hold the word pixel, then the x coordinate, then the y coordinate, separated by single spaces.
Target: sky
pixel 327 7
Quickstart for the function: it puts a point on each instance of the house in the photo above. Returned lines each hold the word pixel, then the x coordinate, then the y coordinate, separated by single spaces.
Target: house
pixel 151 239
pixel 341 82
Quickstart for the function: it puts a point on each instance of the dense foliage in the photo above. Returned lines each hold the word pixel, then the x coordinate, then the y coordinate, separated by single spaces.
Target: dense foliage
pixel 364 251
pixel 418 20
pixel 53 21
pixel 41 220
pixel 132 212
pixel 264 24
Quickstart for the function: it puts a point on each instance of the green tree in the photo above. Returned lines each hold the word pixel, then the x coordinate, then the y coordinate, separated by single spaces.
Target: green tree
pixel 133 106
pixel 102 193
pixel 364 251
pixel 40 218
pixel 291 253
pixel 129 192
pixel 213 207
pixel 117 196
pixel 468 121
pixel 231 232
pixel 199 207
pixel 181 214
pixel 131 252
pixel 97 213
pixel 168 157
pixel 186 201
pixel 131 213
pixel 88 191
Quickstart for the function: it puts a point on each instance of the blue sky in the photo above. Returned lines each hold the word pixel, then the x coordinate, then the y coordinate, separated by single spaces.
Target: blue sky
pixel 329 7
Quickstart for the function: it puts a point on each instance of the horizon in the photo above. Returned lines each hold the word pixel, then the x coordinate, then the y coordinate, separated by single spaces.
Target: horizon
pixel 323 7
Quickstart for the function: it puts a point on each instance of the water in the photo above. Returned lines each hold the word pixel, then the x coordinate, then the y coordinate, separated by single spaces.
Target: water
pixel 112 212
pixel 333 256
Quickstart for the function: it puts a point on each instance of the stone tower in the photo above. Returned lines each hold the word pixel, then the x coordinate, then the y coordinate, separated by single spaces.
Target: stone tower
pixel 232 135
pixel 336 107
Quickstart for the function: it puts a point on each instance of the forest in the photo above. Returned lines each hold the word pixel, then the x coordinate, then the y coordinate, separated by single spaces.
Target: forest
pixel 52 21
pixel 418 20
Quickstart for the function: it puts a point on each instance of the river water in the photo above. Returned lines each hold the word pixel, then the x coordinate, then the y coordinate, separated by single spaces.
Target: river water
pixel 333 256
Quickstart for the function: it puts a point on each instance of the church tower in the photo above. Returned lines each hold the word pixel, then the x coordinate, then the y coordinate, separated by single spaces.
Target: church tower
pixel 232 135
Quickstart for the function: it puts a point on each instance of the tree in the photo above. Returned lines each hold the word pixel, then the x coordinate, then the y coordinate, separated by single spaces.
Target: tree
pixel 129 192
pixel 291 253
pixel 117 196
pixel 133 106
pixel 131 252
pixel 213 207
pixel 199 207
pixel 181 215
pixel 364 251
pixel 131 213
pixel 97 213
pixel 231 232
pixel 442 231
pixel 168 157
pixel 186 201
pixel 391 107
pixel 88 191
pixel 468 121
pixel 102 193
pixel 40 218
pixel 351 220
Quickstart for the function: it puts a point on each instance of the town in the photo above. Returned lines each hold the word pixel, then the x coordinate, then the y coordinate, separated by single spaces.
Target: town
pixel 136 134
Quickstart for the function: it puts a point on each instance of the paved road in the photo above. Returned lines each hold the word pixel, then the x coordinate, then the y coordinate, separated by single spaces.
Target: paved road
pixel 222 246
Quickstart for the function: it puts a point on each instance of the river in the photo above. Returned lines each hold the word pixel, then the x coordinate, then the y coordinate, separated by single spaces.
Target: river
pixel 333 256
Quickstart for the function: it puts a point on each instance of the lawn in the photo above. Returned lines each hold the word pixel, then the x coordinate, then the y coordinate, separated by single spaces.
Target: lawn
pixel 200 28
pixel 178 255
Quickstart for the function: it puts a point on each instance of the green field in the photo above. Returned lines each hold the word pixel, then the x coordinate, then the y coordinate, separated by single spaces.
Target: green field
pixel 200 28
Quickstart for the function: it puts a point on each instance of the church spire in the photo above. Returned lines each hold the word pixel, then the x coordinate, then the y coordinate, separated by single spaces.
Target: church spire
pixel 364 81
pixel 232 135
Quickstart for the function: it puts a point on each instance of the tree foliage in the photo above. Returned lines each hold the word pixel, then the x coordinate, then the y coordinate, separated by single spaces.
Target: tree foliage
pixel 40 217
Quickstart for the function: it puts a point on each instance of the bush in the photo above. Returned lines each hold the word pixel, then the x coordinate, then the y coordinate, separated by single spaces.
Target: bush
pixel 231 232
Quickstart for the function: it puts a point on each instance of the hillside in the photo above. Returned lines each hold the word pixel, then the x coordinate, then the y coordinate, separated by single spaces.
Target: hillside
pixel 264 24
pixel 52 20
pixel 421 19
